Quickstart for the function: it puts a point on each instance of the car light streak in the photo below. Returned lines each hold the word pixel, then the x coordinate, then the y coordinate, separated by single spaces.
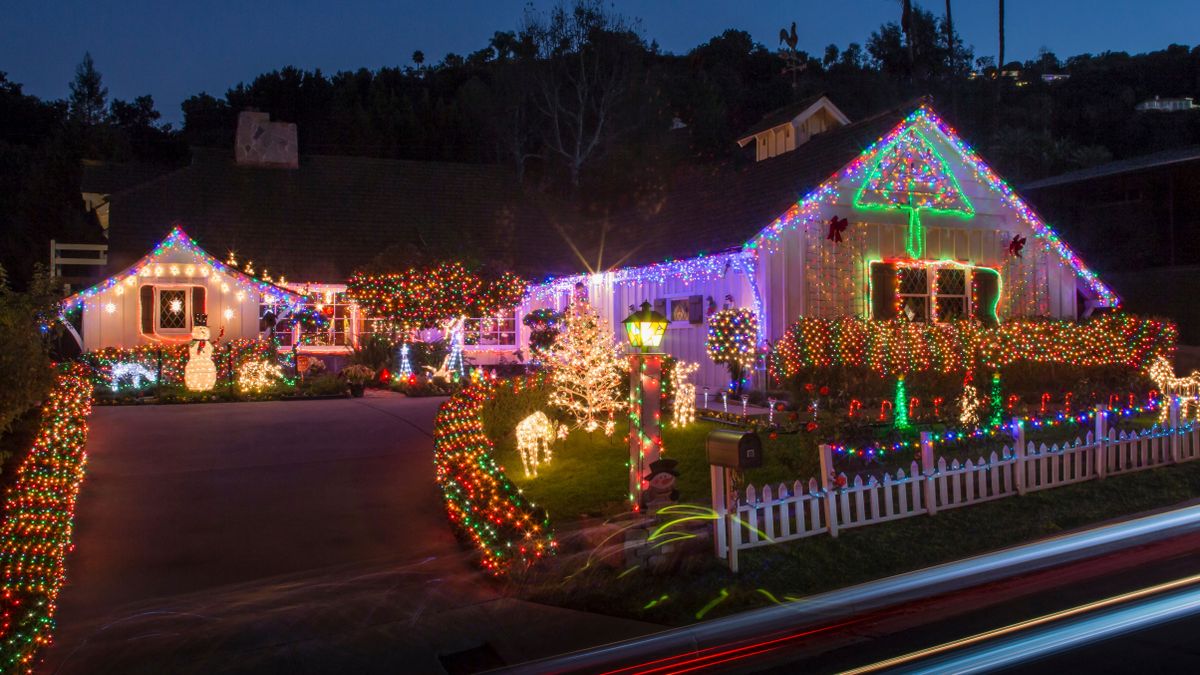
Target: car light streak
pixel 829 608
pixel 1058 638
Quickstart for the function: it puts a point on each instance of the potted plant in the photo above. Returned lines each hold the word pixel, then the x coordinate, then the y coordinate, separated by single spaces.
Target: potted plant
pixel 358 376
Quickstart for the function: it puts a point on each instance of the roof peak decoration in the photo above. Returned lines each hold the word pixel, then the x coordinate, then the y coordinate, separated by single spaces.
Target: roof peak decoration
pixel 807 211
pixel 207 267
pixel 911 175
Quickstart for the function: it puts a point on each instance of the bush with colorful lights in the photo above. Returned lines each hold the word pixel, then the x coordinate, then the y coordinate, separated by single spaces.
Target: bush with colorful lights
pixel 425 298
pixel 898 346
pixel 731 341
pixel 39 512
pixel 485 508
pixel 126 370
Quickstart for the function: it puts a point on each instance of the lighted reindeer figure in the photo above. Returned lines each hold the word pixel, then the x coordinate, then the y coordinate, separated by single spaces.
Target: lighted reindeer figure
pixel 1163 375
pixel 535 436
pixel 685 394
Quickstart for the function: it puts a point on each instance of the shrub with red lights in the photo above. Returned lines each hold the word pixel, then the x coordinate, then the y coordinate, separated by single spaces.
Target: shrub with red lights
pixel 484 506
pixel 39 512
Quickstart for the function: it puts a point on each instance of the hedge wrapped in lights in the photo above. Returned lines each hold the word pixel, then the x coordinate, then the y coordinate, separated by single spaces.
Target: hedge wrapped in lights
pixel 899 346
pixel 39 512
pixel 230 356
pixel 483 504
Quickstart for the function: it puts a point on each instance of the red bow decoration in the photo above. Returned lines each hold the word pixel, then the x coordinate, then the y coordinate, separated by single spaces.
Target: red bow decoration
pixel 836 227
pixel 1015 246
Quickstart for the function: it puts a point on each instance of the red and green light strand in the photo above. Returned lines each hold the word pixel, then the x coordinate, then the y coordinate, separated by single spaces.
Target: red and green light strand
pixel 911 175
pixel 424 298
pixel 39 512
pixel 483 505
pixel 899 346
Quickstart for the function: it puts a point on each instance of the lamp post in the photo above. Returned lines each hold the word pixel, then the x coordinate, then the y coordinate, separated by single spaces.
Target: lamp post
pixel 645 329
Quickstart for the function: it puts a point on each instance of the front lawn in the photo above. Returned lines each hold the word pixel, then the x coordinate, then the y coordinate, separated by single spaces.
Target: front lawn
pixel 789 571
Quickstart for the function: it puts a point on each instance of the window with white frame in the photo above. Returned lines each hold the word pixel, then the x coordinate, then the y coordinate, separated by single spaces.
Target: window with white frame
pixel 912 293
pixel 499 331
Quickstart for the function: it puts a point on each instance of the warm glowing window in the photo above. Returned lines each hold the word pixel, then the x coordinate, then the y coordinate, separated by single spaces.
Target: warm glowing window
pixel 491 331
pixel 951 294
pixel 172 310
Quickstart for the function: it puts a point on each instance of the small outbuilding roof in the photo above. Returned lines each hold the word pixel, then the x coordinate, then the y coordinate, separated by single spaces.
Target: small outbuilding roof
pixel 1121 166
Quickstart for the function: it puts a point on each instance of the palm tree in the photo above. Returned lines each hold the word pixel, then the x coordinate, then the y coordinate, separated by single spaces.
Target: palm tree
pixel 950 39
pixel 1000 59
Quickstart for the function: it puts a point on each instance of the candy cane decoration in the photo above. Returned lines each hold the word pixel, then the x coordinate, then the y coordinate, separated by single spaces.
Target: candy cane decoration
pixel 1012 401
pixel 937 405
pixel 1045 400
pixel 884 408
pixel 855 406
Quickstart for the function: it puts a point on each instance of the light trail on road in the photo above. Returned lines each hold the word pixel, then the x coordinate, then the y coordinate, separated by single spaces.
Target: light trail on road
pixel 1018 648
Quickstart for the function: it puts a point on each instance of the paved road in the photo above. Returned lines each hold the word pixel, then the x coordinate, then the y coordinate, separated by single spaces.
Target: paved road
pixel 282 537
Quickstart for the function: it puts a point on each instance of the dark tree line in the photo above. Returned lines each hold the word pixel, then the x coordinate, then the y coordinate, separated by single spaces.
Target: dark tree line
pixel 580 103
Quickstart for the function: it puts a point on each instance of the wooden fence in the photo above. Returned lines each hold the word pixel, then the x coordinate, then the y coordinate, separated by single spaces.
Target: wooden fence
pixel 761 516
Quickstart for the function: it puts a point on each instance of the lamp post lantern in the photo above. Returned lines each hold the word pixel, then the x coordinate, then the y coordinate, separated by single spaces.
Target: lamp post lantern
pixel 645 329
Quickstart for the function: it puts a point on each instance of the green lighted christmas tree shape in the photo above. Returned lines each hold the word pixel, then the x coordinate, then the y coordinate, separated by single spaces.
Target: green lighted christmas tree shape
pixel 911 175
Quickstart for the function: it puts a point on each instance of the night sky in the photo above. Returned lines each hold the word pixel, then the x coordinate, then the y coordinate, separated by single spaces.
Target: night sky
pixel 173 50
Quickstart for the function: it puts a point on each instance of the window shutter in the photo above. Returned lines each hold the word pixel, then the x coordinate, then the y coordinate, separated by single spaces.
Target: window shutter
pixel 985 287
pixel 695 309
pixel 198 304
pixel 883 290
pixel 146 300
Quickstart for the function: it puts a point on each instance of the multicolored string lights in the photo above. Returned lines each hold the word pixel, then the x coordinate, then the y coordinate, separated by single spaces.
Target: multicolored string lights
pixel 484 506
pixel 899 346
pixel 39 512
pixel 810 210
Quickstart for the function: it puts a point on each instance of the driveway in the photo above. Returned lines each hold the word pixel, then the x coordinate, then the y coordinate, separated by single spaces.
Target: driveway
pixel 304 536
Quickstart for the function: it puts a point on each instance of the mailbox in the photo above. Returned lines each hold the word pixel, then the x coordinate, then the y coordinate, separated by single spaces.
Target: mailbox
pixel 734 449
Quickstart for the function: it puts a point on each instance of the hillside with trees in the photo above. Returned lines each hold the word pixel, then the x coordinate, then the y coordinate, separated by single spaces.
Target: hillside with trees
pixel 580 103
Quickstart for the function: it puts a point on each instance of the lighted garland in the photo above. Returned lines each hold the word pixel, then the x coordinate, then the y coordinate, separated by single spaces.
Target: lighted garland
pixel 899 346
pixel 39 512
pixel 482 503
pixel 425 298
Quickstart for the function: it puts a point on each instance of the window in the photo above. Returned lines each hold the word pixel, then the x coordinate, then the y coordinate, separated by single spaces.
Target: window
pixel 491 331
pixel 680 310
pixel 912 293
pixel 173 311
pixel 933 291
pixel 951 294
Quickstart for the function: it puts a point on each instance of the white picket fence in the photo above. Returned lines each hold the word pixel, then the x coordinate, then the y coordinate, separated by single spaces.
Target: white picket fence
pixel 764 516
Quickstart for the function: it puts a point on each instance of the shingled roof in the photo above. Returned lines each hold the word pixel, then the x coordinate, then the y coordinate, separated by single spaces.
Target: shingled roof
pixel 712 208
pixel 332 215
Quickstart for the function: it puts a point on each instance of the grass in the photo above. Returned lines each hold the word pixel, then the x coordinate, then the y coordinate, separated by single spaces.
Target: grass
pixel 588 475
pixel 821 563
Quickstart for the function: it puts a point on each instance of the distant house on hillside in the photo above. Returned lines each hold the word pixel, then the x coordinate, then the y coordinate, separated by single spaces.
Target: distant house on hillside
pixel 788 128
pixel 1178 104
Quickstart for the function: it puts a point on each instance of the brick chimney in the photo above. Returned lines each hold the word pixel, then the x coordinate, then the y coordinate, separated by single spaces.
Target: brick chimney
pixel 261 142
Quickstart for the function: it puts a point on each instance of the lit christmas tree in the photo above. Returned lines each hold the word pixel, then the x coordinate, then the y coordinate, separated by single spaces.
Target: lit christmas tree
pixel 900 420
pixel 731 340
pixel 910 175
pixel 585 369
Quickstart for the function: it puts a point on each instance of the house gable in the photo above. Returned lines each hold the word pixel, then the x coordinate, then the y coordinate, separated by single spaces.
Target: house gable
pixel 977 232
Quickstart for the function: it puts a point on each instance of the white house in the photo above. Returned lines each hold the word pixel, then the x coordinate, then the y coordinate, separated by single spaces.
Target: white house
pixel 157 299
pixel 930 231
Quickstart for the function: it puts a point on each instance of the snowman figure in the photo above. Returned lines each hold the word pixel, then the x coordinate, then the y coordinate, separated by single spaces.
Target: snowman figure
pixel 200 374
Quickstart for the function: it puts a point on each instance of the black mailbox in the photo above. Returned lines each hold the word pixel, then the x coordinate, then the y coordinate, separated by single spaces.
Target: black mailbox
pixel 735 449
